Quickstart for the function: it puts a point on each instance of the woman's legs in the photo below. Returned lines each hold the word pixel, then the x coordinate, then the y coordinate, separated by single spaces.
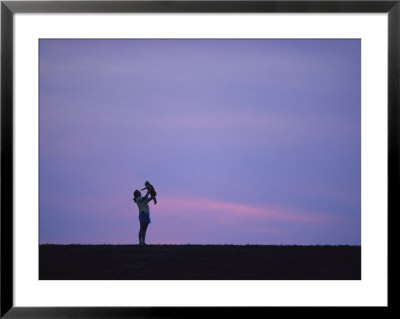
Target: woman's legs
pixel 142 233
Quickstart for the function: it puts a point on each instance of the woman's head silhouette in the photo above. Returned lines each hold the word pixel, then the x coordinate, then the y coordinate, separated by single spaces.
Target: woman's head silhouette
pixel 136 194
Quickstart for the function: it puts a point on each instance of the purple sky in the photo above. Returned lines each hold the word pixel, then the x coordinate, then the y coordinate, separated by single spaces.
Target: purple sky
pixel 245 141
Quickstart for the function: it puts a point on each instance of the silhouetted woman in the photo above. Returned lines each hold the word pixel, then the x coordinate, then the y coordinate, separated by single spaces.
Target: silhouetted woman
pixel 144 214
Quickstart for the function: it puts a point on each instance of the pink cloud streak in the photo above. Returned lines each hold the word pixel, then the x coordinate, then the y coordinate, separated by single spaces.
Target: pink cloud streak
pixel 178 207
pixel 226 211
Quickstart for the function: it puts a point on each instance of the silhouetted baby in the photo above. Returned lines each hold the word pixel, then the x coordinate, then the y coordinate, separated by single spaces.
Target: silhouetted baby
pixel 151 191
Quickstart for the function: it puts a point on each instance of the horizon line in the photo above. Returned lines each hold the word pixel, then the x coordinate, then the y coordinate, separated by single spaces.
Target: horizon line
pixel 189 244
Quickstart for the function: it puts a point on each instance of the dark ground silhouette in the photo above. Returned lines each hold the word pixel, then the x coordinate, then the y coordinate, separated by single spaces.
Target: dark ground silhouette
pixel 195 262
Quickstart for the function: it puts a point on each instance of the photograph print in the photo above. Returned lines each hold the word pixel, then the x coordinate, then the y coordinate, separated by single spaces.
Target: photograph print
pixel 200 159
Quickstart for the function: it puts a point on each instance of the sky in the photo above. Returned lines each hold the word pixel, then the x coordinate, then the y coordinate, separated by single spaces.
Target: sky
pixel 246 141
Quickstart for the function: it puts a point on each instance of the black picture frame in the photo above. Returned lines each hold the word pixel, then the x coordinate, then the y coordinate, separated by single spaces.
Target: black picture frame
pixel 9 8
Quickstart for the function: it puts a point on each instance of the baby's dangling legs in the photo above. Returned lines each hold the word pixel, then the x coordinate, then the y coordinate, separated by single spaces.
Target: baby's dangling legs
pixel 154 199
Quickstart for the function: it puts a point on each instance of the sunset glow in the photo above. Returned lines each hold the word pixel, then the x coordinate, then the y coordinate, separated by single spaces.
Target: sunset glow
pixel 245 141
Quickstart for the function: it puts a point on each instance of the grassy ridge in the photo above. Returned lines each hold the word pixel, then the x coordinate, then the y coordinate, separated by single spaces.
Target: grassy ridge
pixel 199 262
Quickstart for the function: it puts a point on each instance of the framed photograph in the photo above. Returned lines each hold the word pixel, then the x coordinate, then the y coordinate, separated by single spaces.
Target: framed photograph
pixel 160 158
